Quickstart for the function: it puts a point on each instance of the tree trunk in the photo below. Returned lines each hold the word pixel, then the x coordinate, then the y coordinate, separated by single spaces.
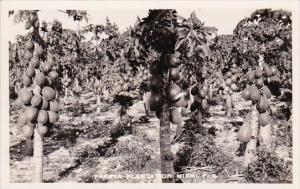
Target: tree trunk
pixel 179 127
pixel 165 146
pixel 265 138
pixel 98 104
pixel 66 93
pixel 210 92
pixel 146 104
pixel 76 85
pixel 250 153
pixel 38 157
pixel 119 115
pixel 228 105
pixel 199 118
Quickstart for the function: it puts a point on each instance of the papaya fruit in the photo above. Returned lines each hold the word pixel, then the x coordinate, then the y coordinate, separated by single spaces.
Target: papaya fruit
pixel 234 78
pixel 259 72
pixel 172 91
pixel 42 129
pixel 29 45
pixel 53 116
pixel 274 70
pixel 228 74
pixel 175 116
pixel 36 101
pixel 17 104
pixel 45 104
pixel 266 92
pixel 26 97
pixel 27 131
pixel 234 87
pixel 264 119
pixel 244 134
pixel 254 94
pixel 228 82
pixel 174 74
pixel 31 113
pixel 194 90
pixel 53 75
pixel 49 93
pixel 42 117
pixel 40 79
pixel 28 55
pixel 30 72
pixel 267 71
pixel 26 81
pixel 259 83
pixel 172 60
pixel 263 104
pixel 39 50
pixel 46 67
pixel 181 102
pixel 250 76
pixel 34 62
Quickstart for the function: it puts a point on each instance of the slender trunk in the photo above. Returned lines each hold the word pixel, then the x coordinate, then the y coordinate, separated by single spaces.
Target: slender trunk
pixel 250 153
pixel 179 126
pixel 146 104
pixel 178 131
pixel 147 109
pixel 228 105
pixel 220 92
pixel 199 118
pixel 210 92
pixel 119 115
pixel 66 93
pixel 165 146
pixel 38 157
pixel 265 138
pixel 77 85
pixel 98 104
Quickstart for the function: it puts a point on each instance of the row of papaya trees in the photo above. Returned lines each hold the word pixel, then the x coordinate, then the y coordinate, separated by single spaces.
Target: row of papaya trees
pixel 174 60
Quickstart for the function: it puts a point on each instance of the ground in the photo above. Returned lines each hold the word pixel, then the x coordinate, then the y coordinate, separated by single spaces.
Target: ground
pixel 83 146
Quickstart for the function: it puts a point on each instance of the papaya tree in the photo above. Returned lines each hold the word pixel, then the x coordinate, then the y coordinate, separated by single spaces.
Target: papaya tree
pixel 261 41
pixel 38 95
pixel 157 31
pixel 194 40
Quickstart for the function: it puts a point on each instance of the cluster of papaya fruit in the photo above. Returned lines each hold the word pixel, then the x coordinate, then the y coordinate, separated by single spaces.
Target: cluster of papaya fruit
pixel 259 94
pixel 200 93
pixel 122 79
pixel 37 97
pixel 231 78
pixel 167 86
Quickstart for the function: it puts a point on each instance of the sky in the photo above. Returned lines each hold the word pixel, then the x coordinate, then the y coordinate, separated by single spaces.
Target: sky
pixel 224 19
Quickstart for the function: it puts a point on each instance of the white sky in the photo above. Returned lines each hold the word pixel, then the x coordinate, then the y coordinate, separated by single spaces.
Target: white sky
pixel 225 20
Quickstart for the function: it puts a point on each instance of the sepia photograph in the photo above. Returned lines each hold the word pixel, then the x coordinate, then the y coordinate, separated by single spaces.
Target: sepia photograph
pixel 149 95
